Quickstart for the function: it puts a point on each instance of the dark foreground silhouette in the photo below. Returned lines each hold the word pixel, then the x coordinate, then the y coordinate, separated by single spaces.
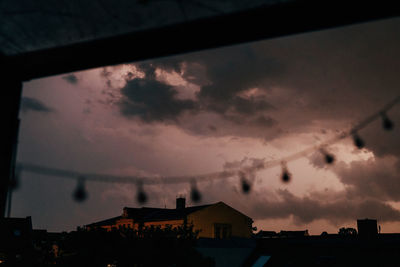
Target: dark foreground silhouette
pixel 121 247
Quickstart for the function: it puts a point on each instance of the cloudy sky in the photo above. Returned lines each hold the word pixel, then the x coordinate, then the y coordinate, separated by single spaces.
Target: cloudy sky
pixel 221 109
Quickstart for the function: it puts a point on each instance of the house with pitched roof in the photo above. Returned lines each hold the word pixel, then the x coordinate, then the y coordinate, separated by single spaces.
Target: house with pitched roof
pixel 217 220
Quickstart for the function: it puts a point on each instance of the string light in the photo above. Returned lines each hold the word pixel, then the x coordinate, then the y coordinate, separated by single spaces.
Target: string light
pixel 387 124
pixel 80 194
pixel 286 176
pixel 195 194
pixel 358 142
pixel 141 196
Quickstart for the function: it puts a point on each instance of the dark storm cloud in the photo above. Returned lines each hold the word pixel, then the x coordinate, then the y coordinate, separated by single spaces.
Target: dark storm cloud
pixel 236 107
pixel 32 104
pixel 368 186
pixel 222 76
pixel 336 207
pixel 327 79
pixel 264 121
pixel 212 128
pixel 230 72
pixel 383 143
pixel 236 69
pixel 377 178
pixel 72 79
pixel 314 207
pixel 152 100
pixel 168 64
pixel 340 74
pixel 330 79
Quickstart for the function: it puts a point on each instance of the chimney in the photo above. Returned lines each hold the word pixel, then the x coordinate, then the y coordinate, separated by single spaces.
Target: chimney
pixel 180 203
pixel 367 228
pixel 125 212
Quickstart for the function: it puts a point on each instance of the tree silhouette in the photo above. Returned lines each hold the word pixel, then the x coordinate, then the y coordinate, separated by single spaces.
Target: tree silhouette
pixel 148 246
pixel 347 231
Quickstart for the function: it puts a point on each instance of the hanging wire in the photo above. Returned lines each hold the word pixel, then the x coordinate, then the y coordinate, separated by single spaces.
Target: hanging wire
pixel 195 194
pixel 80 194
pixel 141 196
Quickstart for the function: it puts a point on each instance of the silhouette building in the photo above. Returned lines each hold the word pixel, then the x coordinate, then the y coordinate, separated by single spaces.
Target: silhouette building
pixel 367 228
pixel 15 241
pixel 217 220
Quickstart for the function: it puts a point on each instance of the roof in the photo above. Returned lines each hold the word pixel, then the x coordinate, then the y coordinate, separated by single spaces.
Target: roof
pixel 146 214
pixel 150 214
pixel 105 222
pixel 268 234
pixel 138 213
pixel 30 26
pixel 235 210
pixel 172 214
pixel 157 214
pixel 44 37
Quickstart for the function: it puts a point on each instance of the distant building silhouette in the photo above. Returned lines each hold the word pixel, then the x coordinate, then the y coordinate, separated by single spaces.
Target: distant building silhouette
pixel 367 228
pixel 266 234
pixel 347 231
pixel 217 220
pixel 292 234
pixel 346 248
pixel 16 241
pixel 281 234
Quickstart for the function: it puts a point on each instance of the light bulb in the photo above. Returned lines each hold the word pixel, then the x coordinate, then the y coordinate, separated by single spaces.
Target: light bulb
pixel 141 196
pixel 358 142
pixel 195 194
pixel 80 194
pixel 286 176
pixel 387 124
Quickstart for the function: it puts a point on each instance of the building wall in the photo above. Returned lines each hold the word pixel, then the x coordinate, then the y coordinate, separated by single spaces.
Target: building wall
pixel 216 221
pixel 220 214
pixel 91 227
pixel 163 224
pixel 125 222
pixel 128 223
pixel 107 227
